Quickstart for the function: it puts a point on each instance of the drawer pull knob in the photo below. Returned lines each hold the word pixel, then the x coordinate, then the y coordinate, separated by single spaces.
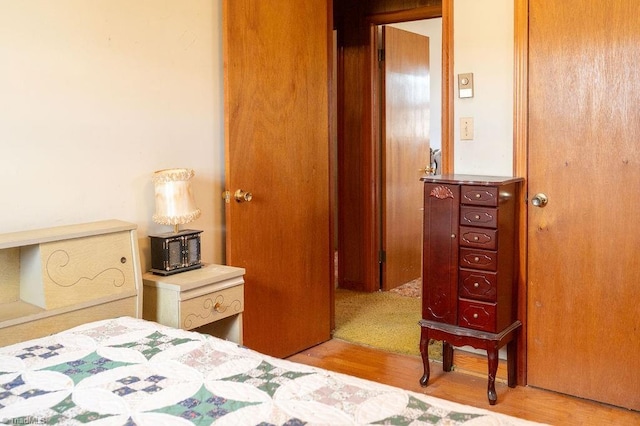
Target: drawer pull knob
pixel 477 217
pixel 475 316
pixel 478 195
pixel 476 285
pixel 453 235
pixel 476 238
pixel 218 307
pixel 476 259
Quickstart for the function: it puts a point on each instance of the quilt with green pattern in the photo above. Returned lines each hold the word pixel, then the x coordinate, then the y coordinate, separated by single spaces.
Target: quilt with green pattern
pixel 127 371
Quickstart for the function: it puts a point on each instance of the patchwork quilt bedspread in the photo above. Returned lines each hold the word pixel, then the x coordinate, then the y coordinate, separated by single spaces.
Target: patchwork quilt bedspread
pixel 127 371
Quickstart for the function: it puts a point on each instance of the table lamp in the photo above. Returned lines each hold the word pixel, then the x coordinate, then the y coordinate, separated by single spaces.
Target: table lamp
pixel 179 250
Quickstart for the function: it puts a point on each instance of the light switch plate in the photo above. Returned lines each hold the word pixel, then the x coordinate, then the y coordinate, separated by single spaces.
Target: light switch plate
pixel 465 85
pixel 466 128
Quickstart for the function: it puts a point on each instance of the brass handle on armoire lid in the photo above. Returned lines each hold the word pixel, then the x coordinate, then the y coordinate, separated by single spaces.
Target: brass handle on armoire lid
pixel 242 196
pixel 427 170
pixel 539 200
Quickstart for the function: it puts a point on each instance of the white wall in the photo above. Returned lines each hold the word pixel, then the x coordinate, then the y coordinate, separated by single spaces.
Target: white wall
pixel 483 45
pixel 431 28
pixel 95 96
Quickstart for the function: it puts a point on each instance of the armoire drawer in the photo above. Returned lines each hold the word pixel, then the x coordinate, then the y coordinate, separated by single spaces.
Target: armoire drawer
pixel 478 238
pixel 477 315
pixel 479 195
pixel 478 285
pixel 485 217
pixel 478 259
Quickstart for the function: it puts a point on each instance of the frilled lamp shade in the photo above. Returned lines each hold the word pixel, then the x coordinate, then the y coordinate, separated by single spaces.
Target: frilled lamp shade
pixel 175 203
pixel 176 251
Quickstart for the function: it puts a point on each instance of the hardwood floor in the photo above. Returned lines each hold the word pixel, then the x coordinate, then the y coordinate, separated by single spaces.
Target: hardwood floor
pixel 466 385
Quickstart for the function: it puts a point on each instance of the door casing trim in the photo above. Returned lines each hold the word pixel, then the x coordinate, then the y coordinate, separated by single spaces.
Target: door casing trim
pixel 520 166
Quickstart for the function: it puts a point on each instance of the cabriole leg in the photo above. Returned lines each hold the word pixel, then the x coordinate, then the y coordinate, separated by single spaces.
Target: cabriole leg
pixel 492 354
pixel 424 351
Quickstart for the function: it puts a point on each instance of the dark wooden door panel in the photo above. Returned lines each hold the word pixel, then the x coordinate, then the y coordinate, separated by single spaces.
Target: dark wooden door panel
pixel 441 221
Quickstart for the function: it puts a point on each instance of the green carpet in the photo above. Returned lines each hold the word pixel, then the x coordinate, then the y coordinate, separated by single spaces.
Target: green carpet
pixel 382 320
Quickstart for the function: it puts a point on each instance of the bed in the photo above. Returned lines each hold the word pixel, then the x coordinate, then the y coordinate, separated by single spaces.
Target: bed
pixel 127 371
pixel 73 350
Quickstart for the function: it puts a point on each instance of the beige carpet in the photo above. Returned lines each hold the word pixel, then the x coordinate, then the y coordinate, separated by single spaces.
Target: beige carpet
pixel 384 320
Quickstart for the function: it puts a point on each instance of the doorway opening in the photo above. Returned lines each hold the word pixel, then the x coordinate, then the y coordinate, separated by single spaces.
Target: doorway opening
pixel 405 80
pixel 359 246
pixel 359 191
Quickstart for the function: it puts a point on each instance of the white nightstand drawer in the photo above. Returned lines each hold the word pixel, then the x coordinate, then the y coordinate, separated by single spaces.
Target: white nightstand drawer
pixel 211 307
pixel 210 299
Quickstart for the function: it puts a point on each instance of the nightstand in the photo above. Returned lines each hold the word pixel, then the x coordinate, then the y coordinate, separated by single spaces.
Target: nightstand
pixel 208 300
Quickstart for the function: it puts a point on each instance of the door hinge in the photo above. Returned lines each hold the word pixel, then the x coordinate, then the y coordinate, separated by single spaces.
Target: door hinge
pixel 380 55
pixel 226 196
pixel 382 256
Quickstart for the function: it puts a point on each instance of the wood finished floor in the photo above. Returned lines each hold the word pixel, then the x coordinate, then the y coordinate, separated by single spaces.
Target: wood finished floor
pixel 466 385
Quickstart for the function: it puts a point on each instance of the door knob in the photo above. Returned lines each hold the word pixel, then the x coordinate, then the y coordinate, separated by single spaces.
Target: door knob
pixel 539 200
pixel 242 196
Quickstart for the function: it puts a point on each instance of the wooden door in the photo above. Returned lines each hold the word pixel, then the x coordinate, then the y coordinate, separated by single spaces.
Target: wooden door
pixel 276 68
pixel 584 154
pixel 404 153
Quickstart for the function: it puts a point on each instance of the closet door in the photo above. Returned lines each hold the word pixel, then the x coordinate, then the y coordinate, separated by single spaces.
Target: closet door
pixel 583 261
